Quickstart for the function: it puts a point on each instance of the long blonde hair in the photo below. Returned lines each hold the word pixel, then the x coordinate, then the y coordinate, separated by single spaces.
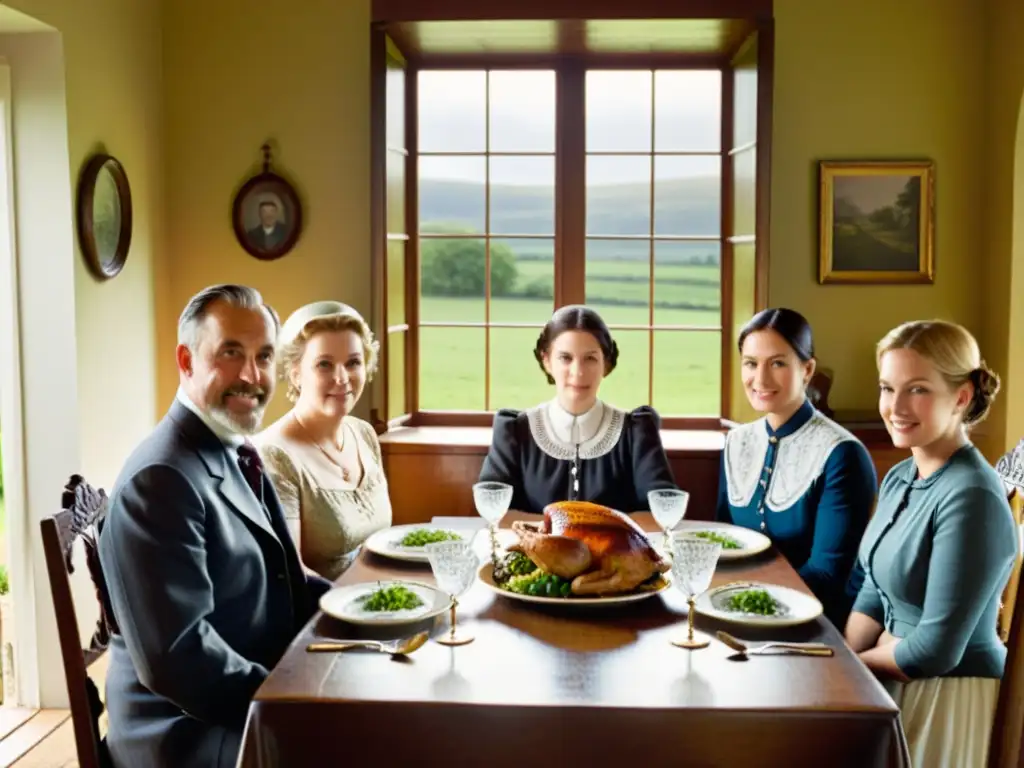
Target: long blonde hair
pixel 955 354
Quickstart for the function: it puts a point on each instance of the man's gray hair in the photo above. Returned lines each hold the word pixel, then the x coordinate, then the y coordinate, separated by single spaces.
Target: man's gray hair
pixel 240 296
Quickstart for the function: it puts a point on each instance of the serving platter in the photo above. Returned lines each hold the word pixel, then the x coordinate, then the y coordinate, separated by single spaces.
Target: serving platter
pixel 346 603
pixel 486 577
pixel 793 607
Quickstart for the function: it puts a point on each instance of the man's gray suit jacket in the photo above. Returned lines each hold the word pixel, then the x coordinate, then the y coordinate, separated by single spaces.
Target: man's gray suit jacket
pixel 207 590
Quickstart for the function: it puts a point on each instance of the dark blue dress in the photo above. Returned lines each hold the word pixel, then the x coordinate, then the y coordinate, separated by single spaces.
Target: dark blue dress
pixel 810 487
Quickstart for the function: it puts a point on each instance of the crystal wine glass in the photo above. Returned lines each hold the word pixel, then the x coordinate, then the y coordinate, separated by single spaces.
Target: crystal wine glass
pixel 693 565
pixel 492 500
pixel 668 505
pixel 454 564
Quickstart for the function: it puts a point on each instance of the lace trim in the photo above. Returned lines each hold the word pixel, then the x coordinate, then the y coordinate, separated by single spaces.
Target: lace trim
pixel 745 449
pixel 602 442
pixel 800 461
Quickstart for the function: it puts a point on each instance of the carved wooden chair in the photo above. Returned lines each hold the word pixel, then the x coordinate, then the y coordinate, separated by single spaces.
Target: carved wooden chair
pixel 1011 469
pixel 1005 746
pixel 82 510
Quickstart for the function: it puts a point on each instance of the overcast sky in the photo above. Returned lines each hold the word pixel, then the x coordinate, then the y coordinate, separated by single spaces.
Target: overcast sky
pixel 452 117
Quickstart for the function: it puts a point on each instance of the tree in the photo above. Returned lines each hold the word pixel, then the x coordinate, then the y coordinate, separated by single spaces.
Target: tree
pixel 908 204
pixel 456 267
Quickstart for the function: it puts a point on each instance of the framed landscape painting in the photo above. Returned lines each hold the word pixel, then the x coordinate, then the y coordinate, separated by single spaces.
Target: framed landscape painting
pixel 877 222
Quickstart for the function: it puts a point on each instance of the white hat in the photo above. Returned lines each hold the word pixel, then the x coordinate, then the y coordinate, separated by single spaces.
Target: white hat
pixel 303 316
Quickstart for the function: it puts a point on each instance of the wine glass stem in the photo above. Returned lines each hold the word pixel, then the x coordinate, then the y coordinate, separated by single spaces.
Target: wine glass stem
pixel 689 616
pixel 494 543
pixel 451 630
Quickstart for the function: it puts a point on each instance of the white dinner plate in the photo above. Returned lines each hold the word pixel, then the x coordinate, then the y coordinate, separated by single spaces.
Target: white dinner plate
pixel 748 543
pixel 388 542
pixel 793 607
pixel 346 603
pixel 486 576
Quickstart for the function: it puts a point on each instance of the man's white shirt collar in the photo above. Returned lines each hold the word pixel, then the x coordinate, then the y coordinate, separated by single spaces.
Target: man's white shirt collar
pixel 229 438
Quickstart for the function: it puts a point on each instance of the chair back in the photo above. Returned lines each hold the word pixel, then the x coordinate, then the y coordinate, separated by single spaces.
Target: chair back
pixel 82 510
pixel 1010 468
pixel 1005 741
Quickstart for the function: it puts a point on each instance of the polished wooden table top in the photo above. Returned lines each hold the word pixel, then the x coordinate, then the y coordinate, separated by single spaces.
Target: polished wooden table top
pixel 530 655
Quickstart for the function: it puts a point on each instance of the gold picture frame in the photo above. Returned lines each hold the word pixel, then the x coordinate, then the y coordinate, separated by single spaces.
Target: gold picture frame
pixel 877 222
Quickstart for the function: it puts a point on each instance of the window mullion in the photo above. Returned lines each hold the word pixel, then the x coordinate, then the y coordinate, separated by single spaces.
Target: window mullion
pixel 570 184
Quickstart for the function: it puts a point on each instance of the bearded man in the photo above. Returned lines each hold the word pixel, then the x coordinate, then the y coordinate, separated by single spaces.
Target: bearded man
pixel 205 584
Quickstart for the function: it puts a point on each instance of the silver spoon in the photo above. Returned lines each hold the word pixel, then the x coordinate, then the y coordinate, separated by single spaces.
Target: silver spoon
pixel 401 647
pixel 801 649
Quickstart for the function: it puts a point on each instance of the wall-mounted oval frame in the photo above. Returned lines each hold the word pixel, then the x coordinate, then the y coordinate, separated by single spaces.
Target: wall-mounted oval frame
pixel 104 215
pixel 266 214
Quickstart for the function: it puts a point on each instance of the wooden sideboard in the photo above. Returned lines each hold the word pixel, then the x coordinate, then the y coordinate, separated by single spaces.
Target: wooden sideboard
pixel 431 470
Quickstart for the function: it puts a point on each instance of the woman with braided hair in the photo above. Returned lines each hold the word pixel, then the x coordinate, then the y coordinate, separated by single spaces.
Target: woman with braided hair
pixel 575 446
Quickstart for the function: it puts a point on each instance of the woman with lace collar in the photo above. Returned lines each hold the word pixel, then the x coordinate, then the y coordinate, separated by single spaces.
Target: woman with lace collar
pixel 577 446
pixel 795 475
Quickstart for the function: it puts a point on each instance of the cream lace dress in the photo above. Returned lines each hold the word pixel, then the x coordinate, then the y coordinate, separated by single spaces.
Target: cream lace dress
pixel 330 517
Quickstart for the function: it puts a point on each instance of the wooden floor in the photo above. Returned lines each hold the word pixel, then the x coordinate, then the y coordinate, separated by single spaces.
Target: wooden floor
pixel 44 738
pixel 37 739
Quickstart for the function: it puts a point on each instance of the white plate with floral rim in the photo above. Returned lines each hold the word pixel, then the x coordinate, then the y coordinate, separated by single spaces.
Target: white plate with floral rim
pixel 738 603
pixel 486 576
pixel 352 603
pixel 737 542
pixel 402 542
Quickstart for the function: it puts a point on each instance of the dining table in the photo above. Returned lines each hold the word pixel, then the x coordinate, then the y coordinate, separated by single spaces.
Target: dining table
pixel 566 685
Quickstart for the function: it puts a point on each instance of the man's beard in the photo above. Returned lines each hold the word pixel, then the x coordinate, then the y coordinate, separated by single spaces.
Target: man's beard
pixel 247 424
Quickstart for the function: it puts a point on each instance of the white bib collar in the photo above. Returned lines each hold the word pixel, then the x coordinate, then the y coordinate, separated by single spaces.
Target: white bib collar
pixel 574 428
pixel 559 433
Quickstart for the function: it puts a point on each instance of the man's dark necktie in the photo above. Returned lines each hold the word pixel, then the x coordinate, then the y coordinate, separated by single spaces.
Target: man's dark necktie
pixel 252 468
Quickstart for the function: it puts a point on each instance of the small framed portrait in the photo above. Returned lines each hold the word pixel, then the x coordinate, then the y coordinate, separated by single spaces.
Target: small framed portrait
pixel 267 215
pixel 877 222
pixel 104 216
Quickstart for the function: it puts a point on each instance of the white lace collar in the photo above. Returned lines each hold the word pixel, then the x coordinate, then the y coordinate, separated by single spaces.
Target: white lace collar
pixel 800 459
pixel 558 432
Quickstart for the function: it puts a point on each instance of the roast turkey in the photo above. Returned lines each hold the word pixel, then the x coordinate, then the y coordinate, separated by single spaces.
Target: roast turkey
pixel 600 549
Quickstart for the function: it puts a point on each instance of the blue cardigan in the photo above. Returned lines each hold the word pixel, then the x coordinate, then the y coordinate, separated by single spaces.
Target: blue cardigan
pixel 937 555
pixel 809 486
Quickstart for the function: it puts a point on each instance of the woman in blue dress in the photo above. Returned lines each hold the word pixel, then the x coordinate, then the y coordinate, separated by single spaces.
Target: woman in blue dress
pixel 939 549
pixel 795 475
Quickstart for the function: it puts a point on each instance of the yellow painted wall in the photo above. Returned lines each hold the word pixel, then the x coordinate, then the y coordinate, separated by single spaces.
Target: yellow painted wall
pixel 877 80
pixel 239 73
pixel 865 79
pixel 113 70
pixel 186 95
pixel 1003 309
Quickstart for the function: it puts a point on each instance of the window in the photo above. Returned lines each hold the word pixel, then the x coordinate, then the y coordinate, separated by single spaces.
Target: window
pixel 651 242
pixel 509 186
pixel 486 162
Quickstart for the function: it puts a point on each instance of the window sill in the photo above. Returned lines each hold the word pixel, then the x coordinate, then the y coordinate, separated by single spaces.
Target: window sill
pixel 476 440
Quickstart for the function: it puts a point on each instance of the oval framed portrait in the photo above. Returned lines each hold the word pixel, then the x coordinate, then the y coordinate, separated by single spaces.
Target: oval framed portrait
pixel 267 216
pixel 104 215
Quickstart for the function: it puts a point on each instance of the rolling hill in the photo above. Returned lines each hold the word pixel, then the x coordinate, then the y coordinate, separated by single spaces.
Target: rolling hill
pixel 682 207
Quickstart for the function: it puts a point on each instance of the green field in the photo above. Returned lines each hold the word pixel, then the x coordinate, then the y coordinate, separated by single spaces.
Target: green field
pixel 452 361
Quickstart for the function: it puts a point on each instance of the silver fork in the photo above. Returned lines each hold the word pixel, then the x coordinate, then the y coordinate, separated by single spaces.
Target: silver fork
pixel 400 647
pixel 800 649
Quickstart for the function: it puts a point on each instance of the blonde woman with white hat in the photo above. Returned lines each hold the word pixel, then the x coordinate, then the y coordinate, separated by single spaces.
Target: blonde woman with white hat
pixel 326 463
